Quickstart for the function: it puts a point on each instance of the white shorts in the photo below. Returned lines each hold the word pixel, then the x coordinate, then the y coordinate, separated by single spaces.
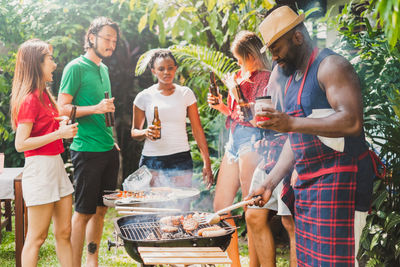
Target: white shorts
pixel 275 202
pixel 45 180
pixel 360 220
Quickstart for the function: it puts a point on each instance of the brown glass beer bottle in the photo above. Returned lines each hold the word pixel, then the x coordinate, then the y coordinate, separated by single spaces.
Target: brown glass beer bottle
pixel 72 118
pixel 214 88
pixel 243 104
pixel 109 115
pixel 157 121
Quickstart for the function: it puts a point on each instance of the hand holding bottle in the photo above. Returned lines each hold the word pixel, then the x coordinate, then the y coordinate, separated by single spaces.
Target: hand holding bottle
pixel 66 130
pixel 153 132
pixel 213 91
pixel 105 105
pixel 214 102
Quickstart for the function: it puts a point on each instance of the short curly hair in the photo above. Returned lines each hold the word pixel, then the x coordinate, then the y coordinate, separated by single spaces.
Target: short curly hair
pixel 96 26
pixel 161 53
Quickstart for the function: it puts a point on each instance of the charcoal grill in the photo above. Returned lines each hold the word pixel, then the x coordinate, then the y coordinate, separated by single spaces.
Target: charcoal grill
pixel 134 230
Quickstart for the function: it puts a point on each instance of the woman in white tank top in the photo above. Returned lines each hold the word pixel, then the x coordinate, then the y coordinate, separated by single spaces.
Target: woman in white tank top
pixel 166 151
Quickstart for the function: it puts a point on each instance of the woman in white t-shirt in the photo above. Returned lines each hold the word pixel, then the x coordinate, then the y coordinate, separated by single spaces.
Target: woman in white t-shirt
pixel 166 151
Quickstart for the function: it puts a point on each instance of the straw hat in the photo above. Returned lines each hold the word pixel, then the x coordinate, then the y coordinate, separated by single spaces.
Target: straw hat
pixel 276 24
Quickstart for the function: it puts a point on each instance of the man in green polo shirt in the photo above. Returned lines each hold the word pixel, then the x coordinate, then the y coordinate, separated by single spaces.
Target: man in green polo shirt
pixel 94 156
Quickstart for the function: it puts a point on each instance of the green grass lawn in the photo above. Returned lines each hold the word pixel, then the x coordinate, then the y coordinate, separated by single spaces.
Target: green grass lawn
pixel 47 255
pixel 115 257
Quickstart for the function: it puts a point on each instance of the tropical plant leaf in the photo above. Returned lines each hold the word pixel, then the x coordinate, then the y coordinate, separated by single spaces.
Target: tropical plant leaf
pixel 144 61
pixel 195 55
pixel 375 240
pixel 381 214
pixel 391 221
pixel 268 4
pixel 311 10
pixel 397 249
pixel 142 22
pixel 380 199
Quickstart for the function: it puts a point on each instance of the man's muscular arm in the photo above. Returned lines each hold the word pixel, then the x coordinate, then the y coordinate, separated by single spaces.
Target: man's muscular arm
pixel 282 167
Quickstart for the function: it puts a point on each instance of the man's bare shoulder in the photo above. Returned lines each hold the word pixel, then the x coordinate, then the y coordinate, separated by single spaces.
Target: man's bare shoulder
pixel 334 63
pixel 335 68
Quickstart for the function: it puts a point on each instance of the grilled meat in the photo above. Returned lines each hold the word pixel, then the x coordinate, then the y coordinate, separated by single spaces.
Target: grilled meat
pixel 190 224
pixel 171 220
pixel 213 233
pixel 211 228
pixel 169 228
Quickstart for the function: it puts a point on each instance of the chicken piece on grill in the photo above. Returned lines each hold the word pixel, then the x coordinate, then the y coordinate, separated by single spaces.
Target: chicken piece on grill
pixel 171 220
pixel 166 220
pixel 190 224
pixel 168 228
pixel 199 216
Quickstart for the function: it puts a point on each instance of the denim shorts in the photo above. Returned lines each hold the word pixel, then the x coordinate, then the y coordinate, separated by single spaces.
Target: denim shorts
pixel 241 141
pixel 173 163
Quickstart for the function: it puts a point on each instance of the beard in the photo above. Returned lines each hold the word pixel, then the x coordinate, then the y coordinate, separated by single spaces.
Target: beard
pixel 291 60
pixel 97 52
pixel 288 69
pixel 290 66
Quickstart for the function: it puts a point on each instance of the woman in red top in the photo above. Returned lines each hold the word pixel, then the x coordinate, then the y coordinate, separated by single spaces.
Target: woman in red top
pixel 46 188
pixel 240 160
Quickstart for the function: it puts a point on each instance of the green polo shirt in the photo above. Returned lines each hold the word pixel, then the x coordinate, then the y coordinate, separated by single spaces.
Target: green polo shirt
pixel 87 82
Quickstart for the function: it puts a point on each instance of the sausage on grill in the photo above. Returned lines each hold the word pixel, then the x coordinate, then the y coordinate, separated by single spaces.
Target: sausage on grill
pixel 214 233
pixel 211 228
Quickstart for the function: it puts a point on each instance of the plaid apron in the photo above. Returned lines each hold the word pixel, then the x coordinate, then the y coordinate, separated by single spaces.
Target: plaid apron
pixel 275 145
pixel 324 192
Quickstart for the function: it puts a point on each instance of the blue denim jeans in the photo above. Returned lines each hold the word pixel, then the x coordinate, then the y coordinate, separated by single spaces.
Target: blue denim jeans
pixel 241 141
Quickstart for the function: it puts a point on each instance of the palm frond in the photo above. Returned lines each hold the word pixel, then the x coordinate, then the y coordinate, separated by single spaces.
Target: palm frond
pixel 194 55
pixel 215 61
pixel 143 61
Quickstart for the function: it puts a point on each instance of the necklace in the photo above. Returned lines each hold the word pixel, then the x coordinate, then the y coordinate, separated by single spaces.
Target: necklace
pixel 298 75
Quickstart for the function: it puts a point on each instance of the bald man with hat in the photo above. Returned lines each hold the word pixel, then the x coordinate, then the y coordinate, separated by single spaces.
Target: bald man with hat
pixel 324 119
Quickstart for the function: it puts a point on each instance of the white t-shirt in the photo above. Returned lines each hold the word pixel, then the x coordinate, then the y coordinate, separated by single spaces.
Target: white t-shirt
pixel 172 111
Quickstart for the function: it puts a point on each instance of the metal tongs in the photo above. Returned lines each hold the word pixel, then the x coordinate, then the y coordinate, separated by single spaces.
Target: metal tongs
pixel 214 218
